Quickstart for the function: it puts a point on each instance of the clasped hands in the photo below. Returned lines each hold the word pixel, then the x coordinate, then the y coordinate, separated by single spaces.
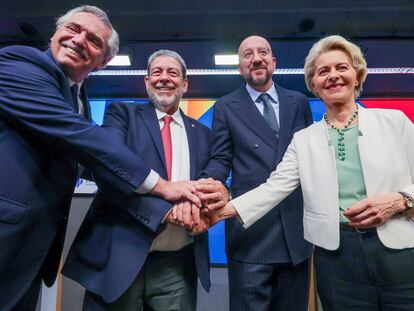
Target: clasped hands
pixel 375 210
pixel 196 212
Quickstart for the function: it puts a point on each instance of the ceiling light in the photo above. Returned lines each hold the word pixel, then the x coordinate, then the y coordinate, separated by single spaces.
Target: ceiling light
pixel 224 72
pixel 120 60
pixel 229 59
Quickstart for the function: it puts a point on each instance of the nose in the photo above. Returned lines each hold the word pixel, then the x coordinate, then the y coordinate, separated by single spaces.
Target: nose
pixel 164 76
pixel 256 57
pixel 333 74
pixel 80 39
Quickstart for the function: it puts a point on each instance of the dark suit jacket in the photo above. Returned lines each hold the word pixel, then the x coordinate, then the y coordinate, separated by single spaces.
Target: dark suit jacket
pixel 111 246
pixel 41 139
pixel 242 141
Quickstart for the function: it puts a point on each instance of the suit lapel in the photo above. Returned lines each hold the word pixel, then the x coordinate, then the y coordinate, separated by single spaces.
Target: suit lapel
pixel 245 109
pixel 85 102
pixel 149 116
pixel 287 112
pixel 367 146
pixel 190 128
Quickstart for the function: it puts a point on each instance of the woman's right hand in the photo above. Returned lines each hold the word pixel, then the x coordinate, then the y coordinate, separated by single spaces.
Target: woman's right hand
pixel 228 211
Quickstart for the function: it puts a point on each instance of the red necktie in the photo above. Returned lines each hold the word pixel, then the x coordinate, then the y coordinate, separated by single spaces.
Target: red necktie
pixel 166 141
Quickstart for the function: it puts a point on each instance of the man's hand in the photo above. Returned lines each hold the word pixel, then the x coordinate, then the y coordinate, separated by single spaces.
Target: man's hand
pixel 212 193
pixel 202 225
pixel 188 215
pixel 374 211
pixel 182 214
pixel 176 191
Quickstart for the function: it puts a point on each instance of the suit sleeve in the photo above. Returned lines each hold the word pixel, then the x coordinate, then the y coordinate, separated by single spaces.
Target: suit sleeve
pixel 150 210
pixel 221 146
pixel 31 99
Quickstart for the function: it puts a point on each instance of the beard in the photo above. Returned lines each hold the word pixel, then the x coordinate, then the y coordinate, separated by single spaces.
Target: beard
pixel 258 81
pixel 165 103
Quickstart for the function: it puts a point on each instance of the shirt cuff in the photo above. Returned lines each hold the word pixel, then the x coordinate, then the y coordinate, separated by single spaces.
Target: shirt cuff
pixel 166 215
pixel 149 183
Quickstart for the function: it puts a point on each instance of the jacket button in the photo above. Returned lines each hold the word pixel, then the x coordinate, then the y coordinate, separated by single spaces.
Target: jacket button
pixel 255 146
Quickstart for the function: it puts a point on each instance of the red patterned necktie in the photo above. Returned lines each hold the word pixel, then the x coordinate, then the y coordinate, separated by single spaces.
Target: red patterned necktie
pixel 166 141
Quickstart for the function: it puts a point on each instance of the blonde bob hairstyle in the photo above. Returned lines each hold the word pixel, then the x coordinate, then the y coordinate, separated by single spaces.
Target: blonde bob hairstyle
pixel 336 43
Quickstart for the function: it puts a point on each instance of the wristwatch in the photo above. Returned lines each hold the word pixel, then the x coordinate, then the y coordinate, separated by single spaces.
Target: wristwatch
pixel 408 201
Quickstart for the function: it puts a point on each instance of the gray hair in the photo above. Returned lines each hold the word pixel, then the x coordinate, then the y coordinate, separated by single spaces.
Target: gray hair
pixel 336 43
pixel 113 42
pixel 171 54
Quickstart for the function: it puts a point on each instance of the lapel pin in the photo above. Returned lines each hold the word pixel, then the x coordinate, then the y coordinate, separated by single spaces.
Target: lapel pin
pixel 192 125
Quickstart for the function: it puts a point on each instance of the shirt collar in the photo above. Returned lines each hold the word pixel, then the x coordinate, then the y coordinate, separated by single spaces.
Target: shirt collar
pixel 71 83
pixel 254 94
pixel 177 117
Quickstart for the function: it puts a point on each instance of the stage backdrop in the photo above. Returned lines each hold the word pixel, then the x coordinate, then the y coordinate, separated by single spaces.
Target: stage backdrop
pixel 202 110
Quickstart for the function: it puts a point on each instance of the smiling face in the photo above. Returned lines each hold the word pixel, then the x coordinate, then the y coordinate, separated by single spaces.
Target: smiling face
pixel 335 78
pixel 256 62
pixel 165 83
pixel 79 46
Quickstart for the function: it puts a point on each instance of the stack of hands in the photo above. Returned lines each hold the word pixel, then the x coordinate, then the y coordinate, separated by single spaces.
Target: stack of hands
pixel 197 203
pixel 202 203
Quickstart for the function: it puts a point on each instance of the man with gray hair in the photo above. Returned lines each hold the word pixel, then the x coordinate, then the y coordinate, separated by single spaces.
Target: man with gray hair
pixel 124 266
pixel 44 134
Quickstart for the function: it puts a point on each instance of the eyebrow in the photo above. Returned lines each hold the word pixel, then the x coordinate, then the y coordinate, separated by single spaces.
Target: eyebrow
pixel 164 68
pixel 89 34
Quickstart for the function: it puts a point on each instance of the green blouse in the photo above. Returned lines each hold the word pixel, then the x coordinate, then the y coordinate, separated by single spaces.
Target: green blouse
pixel 351 185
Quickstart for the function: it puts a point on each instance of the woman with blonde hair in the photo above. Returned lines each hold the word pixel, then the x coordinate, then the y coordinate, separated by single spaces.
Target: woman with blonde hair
pixel 356 170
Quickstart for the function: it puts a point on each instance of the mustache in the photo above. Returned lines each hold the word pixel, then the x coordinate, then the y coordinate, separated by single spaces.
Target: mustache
pixel 80 50
pixel 163 84
pixel 254 67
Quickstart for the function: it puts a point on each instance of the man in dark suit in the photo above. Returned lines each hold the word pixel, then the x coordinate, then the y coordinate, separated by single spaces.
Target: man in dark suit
pixel 42 138
pixel 269 262
pixel 123 265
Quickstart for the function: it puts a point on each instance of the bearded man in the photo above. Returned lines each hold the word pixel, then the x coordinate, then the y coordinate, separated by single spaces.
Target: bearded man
pixel 122 265
pixel 252 127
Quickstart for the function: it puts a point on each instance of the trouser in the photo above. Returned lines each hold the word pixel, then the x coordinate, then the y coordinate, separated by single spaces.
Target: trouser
pixel 364 275
pixel 29 300
pixel 265 287
pixel 167 282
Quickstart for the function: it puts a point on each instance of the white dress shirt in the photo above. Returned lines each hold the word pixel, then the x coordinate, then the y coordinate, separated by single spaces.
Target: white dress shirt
pixel 175 237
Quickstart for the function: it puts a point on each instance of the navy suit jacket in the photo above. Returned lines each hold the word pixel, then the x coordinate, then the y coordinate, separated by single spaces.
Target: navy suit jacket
pixel 242 141
pixel 111 246
pixel 42 138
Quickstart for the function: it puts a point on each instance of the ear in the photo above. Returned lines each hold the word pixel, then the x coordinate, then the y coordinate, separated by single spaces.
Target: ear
pixel 238 67
pixel 105 62
pixel 185 85
pixel 312 86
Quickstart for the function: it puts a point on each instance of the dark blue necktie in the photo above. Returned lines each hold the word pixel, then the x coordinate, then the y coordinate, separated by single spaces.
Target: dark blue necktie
pixel 74 89
pixel 269 114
